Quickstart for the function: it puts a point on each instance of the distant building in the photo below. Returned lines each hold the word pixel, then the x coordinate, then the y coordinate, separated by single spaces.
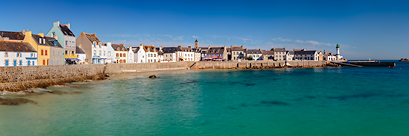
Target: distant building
pixel 145 54
pixel 237 53
pixel 117 53
pixel 16 53
pixel 95 50
pixel 64 35
pixel 289 55
pixel 81 56
pixel 254 53
pixel 170 54
pixel 131 56
pixel 186 54
pixel 267 55
pixel 280 53
pixel 214 53
pixel 302 54
pixel 40 45
pixel 56 51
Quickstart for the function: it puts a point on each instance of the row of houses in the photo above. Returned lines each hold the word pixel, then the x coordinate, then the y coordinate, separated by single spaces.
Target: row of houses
pixel 61 47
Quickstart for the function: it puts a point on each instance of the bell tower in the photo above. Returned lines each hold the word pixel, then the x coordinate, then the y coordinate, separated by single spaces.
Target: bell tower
pixel 196 44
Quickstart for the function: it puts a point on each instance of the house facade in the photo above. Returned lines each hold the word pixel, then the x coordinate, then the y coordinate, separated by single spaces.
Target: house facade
pixel 64 35
pixel 186 54
pixel 215 53
pixel 56 51
pixel 306 55
pixel 81 56
pixel 145 54
pixel 95 50
pixel 267 55
pixel 121 53
pixel 169 54
pixel 237 53
pixel 39 43
pixel 255 54
pixel 16 53
pixel 280 53
pixel 131 56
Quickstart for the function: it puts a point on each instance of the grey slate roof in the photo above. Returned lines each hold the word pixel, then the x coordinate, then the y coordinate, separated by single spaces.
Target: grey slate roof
pixel 118 47
pixel 12 35
pixel 135 49
pixel 279 50
pixel 253 51
pixel 78 50
pixel 65 30
pixel 12 46
pixel 170 49
pixel 52 42
pixel 304 52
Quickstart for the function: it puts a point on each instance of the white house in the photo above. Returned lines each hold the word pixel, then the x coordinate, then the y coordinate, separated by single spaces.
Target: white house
pixel 145 54
pixel 186 54
pixel 14 53
pixel 131 55
pixel 80 55
pixel 305 55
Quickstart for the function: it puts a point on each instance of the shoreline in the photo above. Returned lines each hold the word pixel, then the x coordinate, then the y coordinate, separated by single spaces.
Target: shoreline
pixel 25 86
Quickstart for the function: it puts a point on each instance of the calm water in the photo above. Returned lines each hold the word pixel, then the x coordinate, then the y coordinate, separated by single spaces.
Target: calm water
pixel 308 102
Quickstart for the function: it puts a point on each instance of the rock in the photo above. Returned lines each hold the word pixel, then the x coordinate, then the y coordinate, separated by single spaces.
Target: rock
pixel 152 76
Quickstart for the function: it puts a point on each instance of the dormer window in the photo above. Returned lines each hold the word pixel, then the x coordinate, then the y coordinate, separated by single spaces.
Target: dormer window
pixel 39 41
pixel 95 44
pixel 43 41
pixel 6 54
pixel 99 45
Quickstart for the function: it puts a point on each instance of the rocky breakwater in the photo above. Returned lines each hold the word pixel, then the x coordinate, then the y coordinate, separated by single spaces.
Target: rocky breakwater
pixel 404 59
pixel 19 78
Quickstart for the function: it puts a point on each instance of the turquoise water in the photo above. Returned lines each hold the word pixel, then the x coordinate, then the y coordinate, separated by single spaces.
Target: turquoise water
pixel 286 102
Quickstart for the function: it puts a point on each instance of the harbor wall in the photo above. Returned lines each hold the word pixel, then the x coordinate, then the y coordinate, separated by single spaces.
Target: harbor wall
pixel 24 77
pixel 258 64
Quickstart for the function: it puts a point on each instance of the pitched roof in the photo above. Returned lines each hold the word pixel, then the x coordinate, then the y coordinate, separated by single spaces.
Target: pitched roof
pixel 12 35
pixel 253 51
pixel 65 30
pixel 264 52
pixel 170 49
pixel 304 52
pixel 279 49
pixel 92 37
pixel 237 48
pixel 149 48
pixel 118 47
pixel 217 50
pixel 13 46
pixel 36 39
pixel 78 50
pixel 52 42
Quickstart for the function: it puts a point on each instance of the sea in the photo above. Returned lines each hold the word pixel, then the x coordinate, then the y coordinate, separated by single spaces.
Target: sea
pixel 334 101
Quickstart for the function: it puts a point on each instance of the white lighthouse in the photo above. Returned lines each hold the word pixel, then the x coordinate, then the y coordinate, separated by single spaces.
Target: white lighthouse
pixel 338 55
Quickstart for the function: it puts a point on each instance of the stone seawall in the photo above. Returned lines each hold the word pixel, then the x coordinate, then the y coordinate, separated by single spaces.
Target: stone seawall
pixel 143 67
pixel 258 64
pixel 25 77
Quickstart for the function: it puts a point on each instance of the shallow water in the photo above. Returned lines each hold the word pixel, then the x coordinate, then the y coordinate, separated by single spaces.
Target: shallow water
pixel 309 102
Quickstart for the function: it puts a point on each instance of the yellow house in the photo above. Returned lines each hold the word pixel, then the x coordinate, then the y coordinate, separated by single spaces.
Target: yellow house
pixel 39 44
pixel 121 53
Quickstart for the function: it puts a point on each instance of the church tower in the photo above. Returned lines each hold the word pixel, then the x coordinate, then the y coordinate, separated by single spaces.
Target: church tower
pixel 338 55
pixel 196 44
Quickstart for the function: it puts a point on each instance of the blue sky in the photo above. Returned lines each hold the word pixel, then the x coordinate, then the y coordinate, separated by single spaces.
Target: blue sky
pixel 364 29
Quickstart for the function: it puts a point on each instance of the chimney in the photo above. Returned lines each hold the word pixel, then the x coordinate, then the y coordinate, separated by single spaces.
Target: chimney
pixel 56 23
pixel 190 47
pixel 23 32
pixel 231 47
pixel 208 48
pixel 160 47
pixel 55 37
pixel 324 51
pixel 28 33
pixel 179 46
pixel 224 46
pixel 68 25
pixel 242 46
pixel 41 34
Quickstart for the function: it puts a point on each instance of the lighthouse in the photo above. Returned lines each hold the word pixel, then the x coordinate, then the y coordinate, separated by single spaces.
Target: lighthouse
pixel 338 55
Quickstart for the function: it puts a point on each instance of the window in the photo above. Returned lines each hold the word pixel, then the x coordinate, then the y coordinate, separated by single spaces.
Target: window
pixel 100 53
pixel 53 53
pixel 66 43
pixel 6 62
pixel 99 45
pixel 21 63
pixel 42 52
pixel 43 62
pixel 124 55
pixel 104 53
pixel 57 62
pixel 45 52
pixel 66 52
pixel 120 55
pixel 95 44
pixel 58 53
pixel 6 54
pixel 18 54
pixel 95 52
pixel 55 43
pixel 47 61
pixel 72 52
pixel 15 63
pixel 28 63
pixel 51 62
pixel 53 33
pixel 39 41
pixel 33 63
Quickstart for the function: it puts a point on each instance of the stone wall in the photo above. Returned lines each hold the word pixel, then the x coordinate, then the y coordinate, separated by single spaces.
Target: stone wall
pixel 142 67
pixel 251 64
